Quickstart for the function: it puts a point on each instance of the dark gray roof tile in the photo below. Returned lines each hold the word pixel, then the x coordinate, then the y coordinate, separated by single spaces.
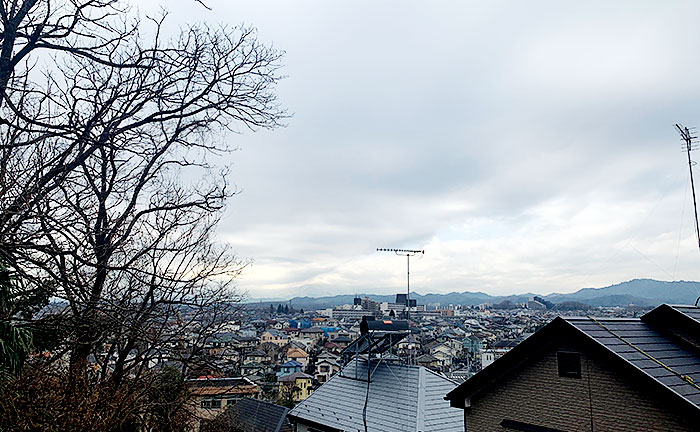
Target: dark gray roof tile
pixel 648 349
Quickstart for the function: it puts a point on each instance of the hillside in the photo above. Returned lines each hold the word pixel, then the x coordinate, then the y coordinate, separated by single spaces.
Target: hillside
pixel 641 292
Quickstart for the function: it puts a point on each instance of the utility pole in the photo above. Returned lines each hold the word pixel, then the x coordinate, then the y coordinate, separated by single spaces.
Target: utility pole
pixel 408 253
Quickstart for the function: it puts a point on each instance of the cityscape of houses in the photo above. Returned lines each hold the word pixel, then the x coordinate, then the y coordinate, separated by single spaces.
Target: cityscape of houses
pixel 296 360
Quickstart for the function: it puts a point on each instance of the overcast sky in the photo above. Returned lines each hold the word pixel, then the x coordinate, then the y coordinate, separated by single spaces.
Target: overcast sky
pixel 526 146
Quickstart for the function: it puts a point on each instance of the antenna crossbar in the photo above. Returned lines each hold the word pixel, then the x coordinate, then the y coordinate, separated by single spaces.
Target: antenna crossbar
pixel 409 253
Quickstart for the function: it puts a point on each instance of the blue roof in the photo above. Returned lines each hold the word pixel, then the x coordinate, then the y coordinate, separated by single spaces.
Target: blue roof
pixel 292 363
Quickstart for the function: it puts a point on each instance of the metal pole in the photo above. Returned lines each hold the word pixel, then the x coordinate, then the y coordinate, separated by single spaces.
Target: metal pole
pixel 408 284
pixel 409 253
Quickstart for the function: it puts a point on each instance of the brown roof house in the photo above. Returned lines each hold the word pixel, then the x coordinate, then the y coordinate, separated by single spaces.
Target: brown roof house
pixel 211 395
pixel 593 374
pixel 298 354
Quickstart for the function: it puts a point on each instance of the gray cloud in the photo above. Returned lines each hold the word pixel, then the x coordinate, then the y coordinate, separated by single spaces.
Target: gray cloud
pixel 527 146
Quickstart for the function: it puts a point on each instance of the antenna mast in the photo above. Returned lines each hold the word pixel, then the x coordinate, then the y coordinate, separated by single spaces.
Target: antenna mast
pixel 409 253
pixel 690 145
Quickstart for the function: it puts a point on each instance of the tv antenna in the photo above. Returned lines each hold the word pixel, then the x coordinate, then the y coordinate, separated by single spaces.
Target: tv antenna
pixel 689 139
pixel 408 253
pixel 690 144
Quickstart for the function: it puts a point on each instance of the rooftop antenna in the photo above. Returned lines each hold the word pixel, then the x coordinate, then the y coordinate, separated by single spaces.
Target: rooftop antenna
pixel 409 253
pixel 689 144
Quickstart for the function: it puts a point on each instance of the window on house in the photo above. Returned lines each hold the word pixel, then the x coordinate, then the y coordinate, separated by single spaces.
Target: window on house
pixel 211 403
pixel 569 364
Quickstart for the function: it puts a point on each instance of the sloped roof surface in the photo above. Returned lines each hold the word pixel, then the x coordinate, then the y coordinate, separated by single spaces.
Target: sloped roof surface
pixel 252 415
pixel 294 376
pixel 648 349
pixel 401 398
pixel 296 352
pixel 691 311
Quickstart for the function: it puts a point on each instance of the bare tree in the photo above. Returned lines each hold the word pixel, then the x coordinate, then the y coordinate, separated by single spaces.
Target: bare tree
pixel 108 189
pixel 32 158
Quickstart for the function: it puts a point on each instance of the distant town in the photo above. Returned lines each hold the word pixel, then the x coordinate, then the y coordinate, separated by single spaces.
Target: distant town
pixel 281 354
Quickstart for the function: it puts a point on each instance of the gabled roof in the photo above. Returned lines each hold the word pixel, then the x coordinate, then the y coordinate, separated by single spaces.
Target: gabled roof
pixel 327 360
pixel 426 358
pixel 256 415
pixel 297 352
pixel 643 349
pixel 401 398
pixel 294 376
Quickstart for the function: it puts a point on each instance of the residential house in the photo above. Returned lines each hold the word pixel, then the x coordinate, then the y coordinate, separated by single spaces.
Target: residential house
pixel 586 374
pixel 428 361
pixel 342 341
pixel 444 353
pixel 398 398
pixel 472 344
pixel 299 355
pixel 296 386
pixel 325 368
pixel 248 331
pixel 276 337
pixel 254 368
pixel 313 334
pixel 333 348
pixel 289 368
pixel 210 395
pixel 256 357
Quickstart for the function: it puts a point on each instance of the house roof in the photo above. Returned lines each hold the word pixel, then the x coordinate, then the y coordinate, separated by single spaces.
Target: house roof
pixel 401 398
pixel 426 358
pixel 296 352
pixel 644 348
pixel 292 363
pixel 276 333
pixel 221 386
pixel 502 343
pixel 255 415
pixel 294 376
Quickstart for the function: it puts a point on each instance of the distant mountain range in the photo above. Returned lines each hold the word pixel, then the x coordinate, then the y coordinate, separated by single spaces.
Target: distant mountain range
pixel 640 292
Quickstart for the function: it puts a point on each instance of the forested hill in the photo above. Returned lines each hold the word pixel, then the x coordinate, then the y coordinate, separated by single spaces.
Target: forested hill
pixel 641 292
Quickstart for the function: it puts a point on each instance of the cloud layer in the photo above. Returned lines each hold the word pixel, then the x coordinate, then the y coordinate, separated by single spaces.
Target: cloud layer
pixel 525 146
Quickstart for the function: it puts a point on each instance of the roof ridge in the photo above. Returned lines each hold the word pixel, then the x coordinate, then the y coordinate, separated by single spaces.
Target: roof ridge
pixel 420 400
